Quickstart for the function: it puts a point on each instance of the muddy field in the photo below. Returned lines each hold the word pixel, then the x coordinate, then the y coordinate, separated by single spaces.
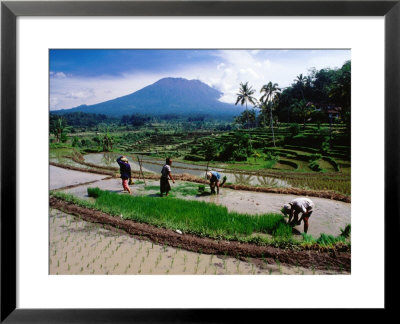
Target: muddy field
pixel 80 247
pixel 60 177
pixel 329 215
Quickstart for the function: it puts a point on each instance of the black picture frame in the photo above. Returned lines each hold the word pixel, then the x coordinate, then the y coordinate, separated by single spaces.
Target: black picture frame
pixel 11 10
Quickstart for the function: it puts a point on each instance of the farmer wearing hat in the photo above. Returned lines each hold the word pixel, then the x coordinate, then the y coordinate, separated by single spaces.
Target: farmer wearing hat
pixel 295 207
pixel 125 170
pixel 214 178
pixel 165 173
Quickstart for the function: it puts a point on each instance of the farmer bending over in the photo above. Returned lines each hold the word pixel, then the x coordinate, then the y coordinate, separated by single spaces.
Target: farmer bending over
pixel 125 170
pixel 214 178
pixel 165 173
pixel 296 206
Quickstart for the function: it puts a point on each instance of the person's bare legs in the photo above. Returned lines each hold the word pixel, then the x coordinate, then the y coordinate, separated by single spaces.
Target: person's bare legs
pixel 305 219
pixel 212 187
pixel 217 184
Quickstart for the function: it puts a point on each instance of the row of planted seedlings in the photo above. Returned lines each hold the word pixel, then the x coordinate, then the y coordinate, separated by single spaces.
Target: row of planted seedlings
pixel 195 217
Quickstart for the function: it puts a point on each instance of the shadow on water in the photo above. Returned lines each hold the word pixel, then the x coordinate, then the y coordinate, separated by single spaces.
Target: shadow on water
pixel 295 231
pixel 155 195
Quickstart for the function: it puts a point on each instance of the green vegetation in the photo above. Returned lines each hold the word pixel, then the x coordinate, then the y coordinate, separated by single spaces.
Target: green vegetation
pixel 324 239
pixel 200 218
pixel 298 136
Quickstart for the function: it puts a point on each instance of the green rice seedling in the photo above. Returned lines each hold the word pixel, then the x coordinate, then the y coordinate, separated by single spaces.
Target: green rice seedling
pixel 184 258
pixel 307 238
pixel 328 240
pixel 313 270
pixel 69 267
pixel 58 263
pixel 81 269
pixel 194 216
pixel 184 269
pixel 270 271
pixel 346 231
pixel 201 189
pixel 147 252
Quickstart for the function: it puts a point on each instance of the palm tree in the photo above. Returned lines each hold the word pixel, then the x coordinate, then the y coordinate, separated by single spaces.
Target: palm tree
pixel 244 96
pixel 270 91
pixel 264 109
pixel 59 128
pixel 300 83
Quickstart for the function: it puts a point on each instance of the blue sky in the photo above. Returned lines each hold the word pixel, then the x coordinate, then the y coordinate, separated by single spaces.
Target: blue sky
pixel 91 76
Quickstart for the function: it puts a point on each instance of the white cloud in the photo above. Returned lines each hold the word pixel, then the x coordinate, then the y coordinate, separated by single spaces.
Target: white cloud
pixel 230 69
pixel 60 75
pixel 75 91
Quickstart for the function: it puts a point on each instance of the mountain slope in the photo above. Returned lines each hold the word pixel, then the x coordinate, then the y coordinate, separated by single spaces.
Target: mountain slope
pixel 166 96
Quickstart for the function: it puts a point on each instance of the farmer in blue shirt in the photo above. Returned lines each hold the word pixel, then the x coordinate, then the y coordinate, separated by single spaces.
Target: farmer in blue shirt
pixel 214 178
pixel 125 170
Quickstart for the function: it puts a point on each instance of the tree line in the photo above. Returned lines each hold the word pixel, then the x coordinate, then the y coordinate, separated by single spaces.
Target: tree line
pixel 320 96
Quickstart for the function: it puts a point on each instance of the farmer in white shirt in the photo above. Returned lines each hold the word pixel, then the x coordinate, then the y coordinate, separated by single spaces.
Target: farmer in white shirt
pixel 295 207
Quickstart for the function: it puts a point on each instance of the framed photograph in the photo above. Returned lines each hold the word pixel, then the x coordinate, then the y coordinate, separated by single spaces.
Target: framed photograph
pixel 162 128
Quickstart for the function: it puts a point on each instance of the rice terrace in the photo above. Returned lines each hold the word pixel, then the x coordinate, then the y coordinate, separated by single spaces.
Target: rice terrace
pixel 241 167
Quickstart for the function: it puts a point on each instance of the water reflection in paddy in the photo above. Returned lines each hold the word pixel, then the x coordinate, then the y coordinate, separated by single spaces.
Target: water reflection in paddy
pixel 154 166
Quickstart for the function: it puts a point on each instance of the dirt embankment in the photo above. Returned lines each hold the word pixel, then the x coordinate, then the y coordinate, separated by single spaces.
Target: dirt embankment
pixel 337 259
pixel 186 177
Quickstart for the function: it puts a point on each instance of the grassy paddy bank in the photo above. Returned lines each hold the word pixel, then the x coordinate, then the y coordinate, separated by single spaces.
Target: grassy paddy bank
pixel 200 218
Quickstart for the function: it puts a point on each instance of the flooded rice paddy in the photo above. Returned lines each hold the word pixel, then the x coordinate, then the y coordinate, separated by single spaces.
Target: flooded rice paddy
pixel 79 247
pixel 154 166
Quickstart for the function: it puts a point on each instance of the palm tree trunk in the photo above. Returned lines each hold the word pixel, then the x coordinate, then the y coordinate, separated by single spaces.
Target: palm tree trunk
pixel 272 126
pixel 264 118
pixel 247 114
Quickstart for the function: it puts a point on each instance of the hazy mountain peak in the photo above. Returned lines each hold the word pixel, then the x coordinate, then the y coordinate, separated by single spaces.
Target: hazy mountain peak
pixel 166 96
